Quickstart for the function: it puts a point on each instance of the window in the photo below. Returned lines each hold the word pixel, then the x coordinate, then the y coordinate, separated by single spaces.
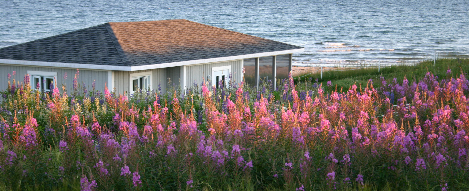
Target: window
pixel 42 81
pixel 140 81
pixel 221 76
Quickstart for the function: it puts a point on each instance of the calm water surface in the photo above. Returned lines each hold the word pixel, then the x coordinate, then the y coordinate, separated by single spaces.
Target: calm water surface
pixel 335 31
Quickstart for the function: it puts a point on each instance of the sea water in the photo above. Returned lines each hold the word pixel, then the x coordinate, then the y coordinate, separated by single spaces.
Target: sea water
pixel 332 31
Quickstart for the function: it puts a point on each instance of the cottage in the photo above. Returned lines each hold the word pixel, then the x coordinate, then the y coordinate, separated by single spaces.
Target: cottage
pixel 127 56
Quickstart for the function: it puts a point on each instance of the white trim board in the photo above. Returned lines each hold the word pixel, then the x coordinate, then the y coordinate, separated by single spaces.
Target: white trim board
pixel 145 67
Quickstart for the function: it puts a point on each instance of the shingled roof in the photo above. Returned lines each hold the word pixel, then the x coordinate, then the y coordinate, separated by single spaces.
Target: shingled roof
pixel 142 43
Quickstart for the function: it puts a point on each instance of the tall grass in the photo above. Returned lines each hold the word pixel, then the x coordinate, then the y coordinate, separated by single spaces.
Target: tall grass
pixel 400 136
pixel 344 79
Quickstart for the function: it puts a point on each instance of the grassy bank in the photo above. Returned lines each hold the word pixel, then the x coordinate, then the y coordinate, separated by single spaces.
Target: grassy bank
pixel 238 138
pixel 344 79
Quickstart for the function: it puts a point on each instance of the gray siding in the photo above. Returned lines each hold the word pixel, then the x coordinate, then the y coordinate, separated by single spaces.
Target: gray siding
pixel 85 77
pixel 196 74
pixel 122 79
pixel 159 79
pixel 173 74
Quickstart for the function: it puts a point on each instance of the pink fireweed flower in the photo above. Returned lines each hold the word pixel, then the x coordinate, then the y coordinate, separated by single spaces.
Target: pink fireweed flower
pixel 136 179
pixel 147 130
pixel 28 136
pixel 55 92
pixel 107 94
pixel 51 105
pixel 86 185
pixel 96 127
pixel 75 119
pixel 205 91
pixel 289 165
pixel 83 131
pixel 125 171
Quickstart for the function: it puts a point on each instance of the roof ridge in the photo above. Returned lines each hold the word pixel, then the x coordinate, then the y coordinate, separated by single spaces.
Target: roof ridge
pixel 231 31
pixel 116 43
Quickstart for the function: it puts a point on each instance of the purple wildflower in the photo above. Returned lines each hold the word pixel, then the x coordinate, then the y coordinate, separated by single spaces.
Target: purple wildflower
pixel 171 149
pixel 462 152
pixel 63 146
pixel 289 165
pixel 439 159
pixel 301 188
pixel 189 183
pixel 346 159
pixel 125 170
pixel 407 160
pixel 331 175
pixel 240 160
pixel 136 179
pixel 116 158
pixel 444 187
pixel 236 150
pixel 11 156
pixel 86 185
pixel 420 164
pixel 359 179
pixel 249 164
pixel 102 170
pixel 29 136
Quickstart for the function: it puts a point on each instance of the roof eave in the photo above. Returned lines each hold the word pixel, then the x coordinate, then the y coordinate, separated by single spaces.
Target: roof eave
pixel 146 67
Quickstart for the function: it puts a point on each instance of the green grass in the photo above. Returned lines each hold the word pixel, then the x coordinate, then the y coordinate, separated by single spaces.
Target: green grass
pixel 344 79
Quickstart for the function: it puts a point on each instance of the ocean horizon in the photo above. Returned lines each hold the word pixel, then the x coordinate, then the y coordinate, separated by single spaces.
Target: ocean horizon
pixel 332 32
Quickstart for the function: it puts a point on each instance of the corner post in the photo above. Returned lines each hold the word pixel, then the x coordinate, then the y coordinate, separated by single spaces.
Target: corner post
pixel 257 73
pixel 274 72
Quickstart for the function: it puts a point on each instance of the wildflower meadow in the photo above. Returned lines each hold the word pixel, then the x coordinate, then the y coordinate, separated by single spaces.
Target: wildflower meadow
pixel 398 136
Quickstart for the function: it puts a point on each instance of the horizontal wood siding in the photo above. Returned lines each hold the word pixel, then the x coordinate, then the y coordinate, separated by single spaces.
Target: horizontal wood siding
pixel 85 77
pixel 196 74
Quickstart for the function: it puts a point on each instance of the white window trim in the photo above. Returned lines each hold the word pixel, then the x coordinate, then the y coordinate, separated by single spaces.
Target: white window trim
pixel 43 74
pixel 220 68
pixel 134 76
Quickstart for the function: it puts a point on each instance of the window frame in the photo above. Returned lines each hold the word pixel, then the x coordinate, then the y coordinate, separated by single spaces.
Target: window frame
pixel 141 77
pixel 42 76
pixel 215 74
